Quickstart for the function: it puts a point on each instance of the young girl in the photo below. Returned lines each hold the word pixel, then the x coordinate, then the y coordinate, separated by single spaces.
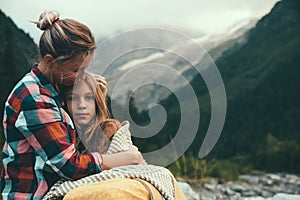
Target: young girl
pixel 87 105
pixel 40 137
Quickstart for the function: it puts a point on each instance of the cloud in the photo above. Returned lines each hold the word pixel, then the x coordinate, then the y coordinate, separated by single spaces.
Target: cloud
pixel 108 17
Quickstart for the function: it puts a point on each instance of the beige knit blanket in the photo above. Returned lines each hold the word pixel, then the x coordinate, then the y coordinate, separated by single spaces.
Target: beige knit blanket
pixel 160 177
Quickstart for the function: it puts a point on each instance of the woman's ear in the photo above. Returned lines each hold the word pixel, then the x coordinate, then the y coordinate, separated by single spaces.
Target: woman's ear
pixel 48 59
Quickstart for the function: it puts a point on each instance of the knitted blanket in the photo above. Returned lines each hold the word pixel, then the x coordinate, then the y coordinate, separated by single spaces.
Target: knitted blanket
pixel 161 178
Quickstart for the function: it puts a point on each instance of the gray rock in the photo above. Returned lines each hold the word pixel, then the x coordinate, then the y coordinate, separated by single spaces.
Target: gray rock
pixel 237 188
pixel 188 192
pixel 283 196
pixel 249 178
pixel 210 186
pixel 255 198
pixel 274 177
pixel 268 187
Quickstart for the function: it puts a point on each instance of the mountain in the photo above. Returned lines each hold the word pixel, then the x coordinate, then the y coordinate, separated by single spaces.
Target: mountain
pixel 262 88
pixel 159 47
pixel 17 53
pixel 216 44
pixel 261 77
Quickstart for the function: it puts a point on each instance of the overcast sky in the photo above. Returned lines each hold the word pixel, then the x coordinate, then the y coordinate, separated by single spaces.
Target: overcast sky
pixel 109 17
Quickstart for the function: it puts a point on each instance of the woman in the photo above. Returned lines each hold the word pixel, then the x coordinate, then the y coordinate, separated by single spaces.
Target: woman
pixel 40 137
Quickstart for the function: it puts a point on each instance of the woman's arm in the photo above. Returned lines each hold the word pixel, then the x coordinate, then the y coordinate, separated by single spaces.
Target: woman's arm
pixel 53 139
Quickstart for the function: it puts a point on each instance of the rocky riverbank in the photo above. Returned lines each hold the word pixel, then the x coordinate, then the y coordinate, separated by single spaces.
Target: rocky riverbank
pixel 258 187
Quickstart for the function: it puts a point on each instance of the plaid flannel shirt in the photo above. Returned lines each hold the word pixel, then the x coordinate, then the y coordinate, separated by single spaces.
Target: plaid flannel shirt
pixel 40 141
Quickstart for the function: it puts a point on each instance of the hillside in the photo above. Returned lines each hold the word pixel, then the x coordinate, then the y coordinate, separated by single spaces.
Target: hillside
pixel 159 46
pixel 17 53
pixel 263 93
pixel 262 86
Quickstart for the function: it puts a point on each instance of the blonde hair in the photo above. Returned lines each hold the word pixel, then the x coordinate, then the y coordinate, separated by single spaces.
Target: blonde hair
pixel 64 39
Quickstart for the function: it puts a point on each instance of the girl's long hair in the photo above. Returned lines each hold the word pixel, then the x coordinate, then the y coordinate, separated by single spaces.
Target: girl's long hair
pixel 91 135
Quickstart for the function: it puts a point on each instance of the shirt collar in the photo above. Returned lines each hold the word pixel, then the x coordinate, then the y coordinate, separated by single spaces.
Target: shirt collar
pixel 39 77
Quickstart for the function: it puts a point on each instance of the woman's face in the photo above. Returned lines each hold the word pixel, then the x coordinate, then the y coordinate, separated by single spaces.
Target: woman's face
pixel 66 73
pixel 81 103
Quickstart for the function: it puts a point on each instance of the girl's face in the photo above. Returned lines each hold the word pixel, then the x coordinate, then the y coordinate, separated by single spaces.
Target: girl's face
pixel 81 103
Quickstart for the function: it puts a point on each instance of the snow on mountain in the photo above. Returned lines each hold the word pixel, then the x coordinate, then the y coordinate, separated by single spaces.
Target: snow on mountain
pixel 155 52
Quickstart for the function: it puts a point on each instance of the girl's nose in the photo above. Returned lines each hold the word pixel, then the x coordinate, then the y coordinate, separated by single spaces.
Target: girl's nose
pixel 82 104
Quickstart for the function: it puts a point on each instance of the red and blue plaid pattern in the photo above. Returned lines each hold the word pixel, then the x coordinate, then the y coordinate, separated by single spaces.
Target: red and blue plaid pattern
pixel 40 141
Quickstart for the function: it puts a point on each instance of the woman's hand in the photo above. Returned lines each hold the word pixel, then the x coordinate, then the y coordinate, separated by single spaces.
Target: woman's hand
pixel 131 157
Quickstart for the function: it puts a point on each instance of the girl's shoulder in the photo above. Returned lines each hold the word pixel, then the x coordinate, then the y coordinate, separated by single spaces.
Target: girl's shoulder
pixel 110 127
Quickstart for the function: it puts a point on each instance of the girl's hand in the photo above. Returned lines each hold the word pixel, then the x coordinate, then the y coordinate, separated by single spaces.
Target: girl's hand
pixel 131 157
pixel 140 160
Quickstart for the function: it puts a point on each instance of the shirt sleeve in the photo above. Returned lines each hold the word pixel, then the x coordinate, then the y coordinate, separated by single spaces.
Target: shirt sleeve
pixel 42 124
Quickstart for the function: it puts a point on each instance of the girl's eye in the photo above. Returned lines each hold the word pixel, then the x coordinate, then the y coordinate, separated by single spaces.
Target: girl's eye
pixel 90 97
pixel 72 98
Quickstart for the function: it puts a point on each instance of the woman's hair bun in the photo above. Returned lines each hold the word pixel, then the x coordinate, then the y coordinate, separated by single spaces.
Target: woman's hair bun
pixel 47 19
